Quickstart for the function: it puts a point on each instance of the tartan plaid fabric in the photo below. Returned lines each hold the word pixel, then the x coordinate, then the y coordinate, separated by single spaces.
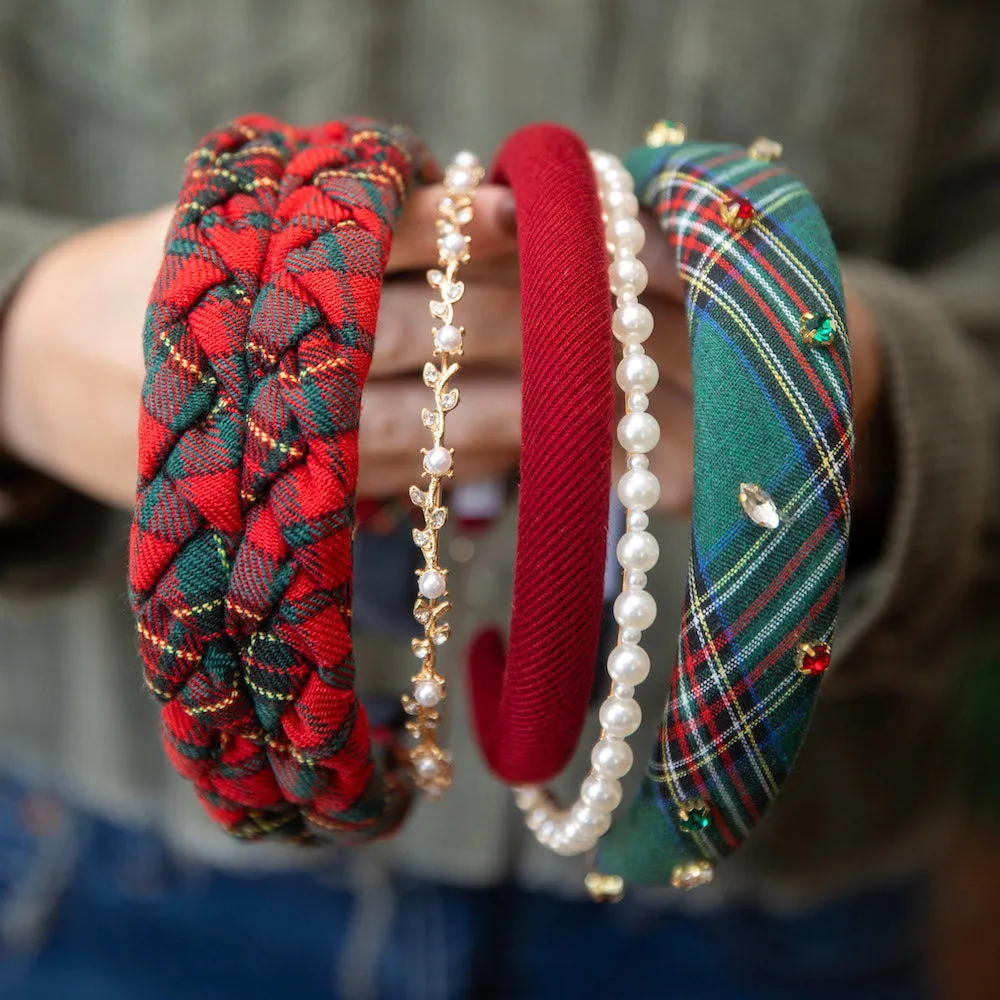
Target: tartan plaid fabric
pixel 257 342
pixel 769 410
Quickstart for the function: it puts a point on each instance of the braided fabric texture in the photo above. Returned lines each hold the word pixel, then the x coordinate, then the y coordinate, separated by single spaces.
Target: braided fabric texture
pixel 769 410
pixel 530 708
pixel 257 342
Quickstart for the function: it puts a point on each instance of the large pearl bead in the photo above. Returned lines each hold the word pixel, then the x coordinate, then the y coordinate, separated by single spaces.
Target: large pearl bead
pixel 452 245
pixel 437 461
pixel 620 716
pixel 618 202
pixel 427 693
pixel 627 234
pixel 638 489
pixel 448 338
pixel 628 664
pixel 601 161
pixel 595 822
pixel 601 792
pixel 638 432
pixel 627 275
pixel 431 584
pixel 612 757
pixel 635 609
pixel 632 323
pixel 638 550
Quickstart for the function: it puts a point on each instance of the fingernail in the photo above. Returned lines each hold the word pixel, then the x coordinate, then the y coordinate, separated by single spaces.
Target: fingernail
pixel 507 214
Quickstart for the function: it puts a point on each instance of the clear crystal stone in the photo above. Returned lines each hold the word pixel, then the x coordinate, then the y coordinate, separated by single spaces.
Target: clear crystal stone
pixel 759 506
pixel 449 400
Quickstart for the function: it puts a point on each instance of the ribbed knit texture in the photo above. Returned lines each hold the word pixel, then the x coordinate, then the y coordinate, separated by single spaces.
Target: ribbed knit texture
pixel 529 713
pixel 257 342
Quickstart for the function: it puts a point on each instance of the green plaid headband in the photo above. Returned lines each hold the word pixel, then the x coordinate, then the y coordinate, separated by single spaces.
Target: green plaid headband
pixel 773 441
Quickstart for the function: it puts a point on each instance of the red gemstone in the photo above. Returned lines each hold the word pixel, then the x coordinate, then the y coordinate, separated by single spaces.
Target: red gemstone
pixel 814 658
pixel 744 210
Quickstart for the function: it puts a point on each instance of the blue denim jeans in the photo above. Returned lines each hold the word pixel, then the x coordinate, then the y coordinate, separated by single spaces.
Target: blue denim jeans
pixel 90 911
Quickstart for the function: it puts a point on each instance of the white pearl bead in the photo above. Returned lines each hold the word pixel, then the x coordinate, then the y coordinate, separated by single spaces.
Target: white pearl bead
pixel 638 432
pixel 575 834
pixel 616 177
pixel 536 818
pixel 626 233
pixel 618 202
pixel 431 583
pixel 466 160
pixel 637 520
pixel 601 792
pixel 638 461
pixel 632 349
pixel 527 798
pixel 628 664
pixel 596 822
pixel 460 180
pixel 635 609
pixel 612 757
pixel 452 245
pixel 428 767
pixel 637 402
pixel 437 461
pixel 635 579
pixel 623 690
pixel 630 636
pixel 632 323
pixel 547 830
pixel 602 161
pixel 427 693
pixel 638 550
pixel 620 716
pixel 638 489
pixel 627 276
pixel 637 373
pixel 448 338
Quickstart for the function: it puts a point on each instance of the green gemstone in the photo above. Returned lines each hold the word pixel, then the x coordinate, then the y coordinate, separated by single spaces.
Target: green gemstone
pixel 694 817
pixel 821 329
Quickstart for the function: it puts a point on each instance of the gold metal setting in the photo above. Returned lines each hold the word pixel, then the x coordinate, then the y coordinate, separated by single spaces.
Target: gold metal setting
pixel 765 149
pixel 737 213
pixel 432 765
pixel 665 133
pixel 604 888
pixel 691 875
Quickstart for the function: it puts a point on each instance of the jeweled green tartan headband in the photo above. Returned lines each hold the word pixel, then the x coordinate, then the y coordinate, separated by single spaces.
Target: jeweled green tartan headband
pixel 773 440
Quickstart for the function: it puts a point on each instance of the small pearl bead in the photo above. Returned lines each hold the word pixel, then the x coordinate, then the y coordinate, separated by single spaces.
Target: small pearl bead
pixel 575 834
pixel 620 716
pixel 427 693
pixel 635 579
pixel 632 323
pixel 623 690
pixel 638 402
pixel 638 550
pixel 630 350
pixel 637 520
pixel 627 275
pixel 448 338
pixel 601 791
pixel 619 202
pixel 460 180
pixel 627 297
pixel 428 767
pixel 638 462
pixel 635 609
pixel 612 757
pixel 638 489
pixel 431 583
pixel 437 461
pixel 466 160
pixel 637 372
pixel 627 233
pixel 638 432
pixel 547 830
pixel 628 664
pixel 630 636
pixel 452 245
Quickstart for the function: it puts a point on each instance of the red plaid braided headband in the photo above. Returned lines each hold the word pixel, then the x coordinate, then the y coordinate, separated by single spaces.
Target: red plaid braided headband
pixel 257 341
